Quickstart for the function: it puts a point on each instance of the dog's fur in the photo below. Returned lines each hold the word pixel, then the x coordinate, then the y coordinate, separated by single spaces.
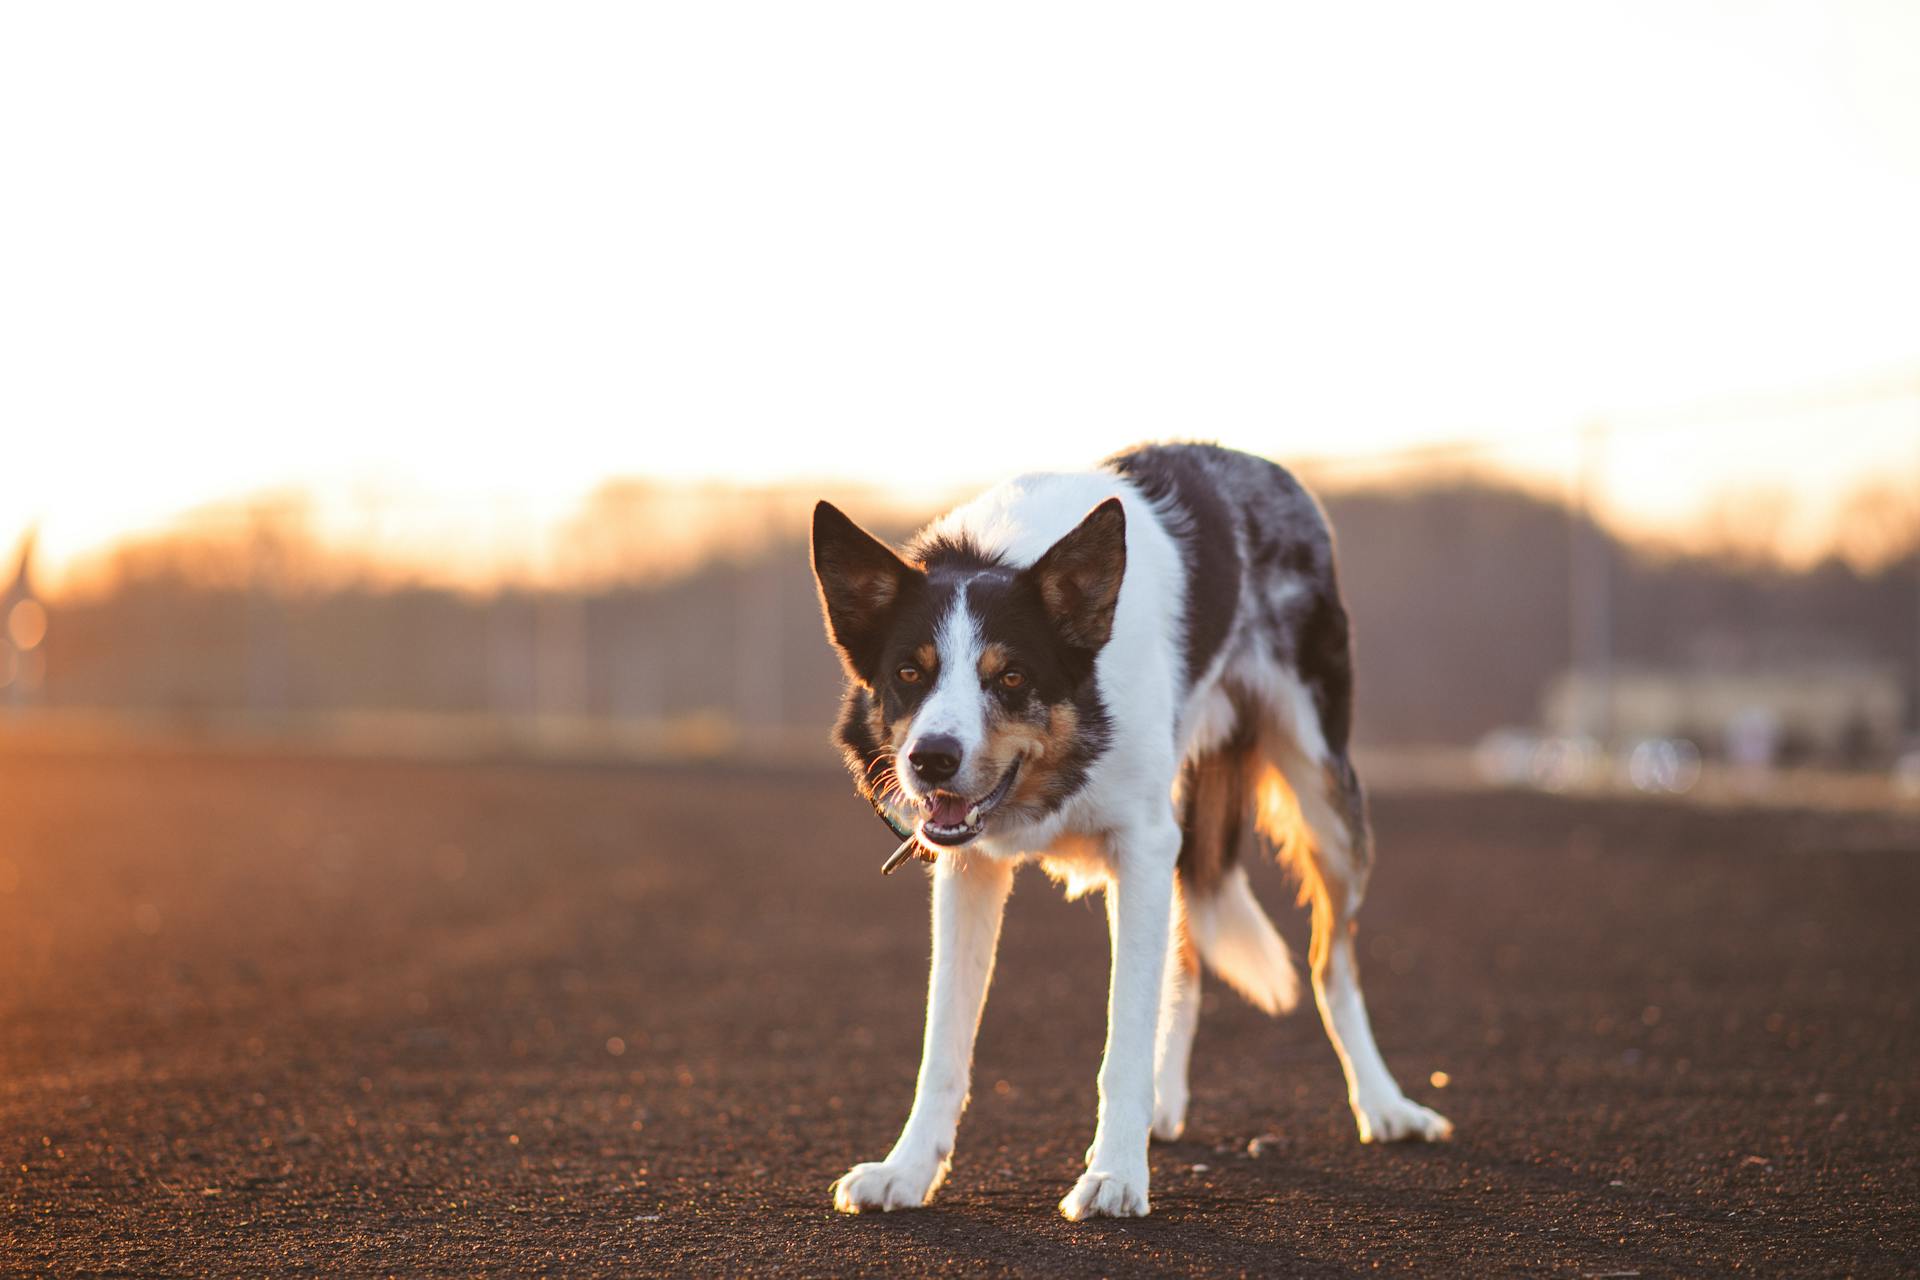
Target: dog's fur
pixel 1180 664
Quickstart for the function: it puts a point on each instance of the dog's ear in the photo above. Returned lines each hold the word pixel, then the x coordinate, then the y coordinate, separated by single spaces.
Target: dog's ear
pixel 1079 576
pixel 861 583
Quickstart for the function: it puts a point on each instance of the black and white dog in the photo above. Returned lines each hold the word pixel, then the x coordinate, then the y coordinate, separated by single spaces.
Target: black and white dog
pixel 1111 672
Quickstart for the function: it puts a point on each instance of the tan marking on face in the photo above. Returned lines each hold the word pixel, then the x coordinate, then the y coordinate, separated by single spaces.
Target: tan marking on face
pixel 1041 747
pixel 926 657
pixel 877 723
pixel 993 659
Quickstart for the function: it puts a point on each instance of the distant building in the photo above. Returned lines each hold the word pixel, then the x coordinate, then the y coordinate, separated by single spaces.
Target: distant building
pixel 1845 712
pixel 23 632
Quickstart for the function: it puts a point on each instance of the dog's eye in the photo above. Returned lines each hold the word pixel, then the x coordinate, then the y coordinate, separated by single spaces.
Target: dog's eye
pixel 1012 679
pixel 908 675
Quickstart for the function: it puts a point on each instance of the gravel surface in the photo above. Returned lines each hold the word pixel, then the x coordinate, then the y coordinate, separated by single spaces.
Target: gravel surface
pixel 271 1015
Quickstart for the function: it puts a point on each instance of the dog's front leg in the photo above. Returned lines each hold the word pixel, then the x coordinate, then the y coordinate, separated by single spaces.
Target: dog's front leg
pixel 1139 903
pixel 969 898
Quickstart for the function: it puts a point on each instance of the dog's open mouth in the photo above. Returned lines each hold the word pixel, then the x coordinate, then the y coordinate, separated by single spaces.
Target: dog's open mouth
pixel 952 820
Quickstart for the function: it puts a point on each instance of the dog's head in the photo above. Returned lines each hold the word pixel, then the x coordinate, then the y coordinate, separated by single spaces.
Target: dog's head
pixel 972 694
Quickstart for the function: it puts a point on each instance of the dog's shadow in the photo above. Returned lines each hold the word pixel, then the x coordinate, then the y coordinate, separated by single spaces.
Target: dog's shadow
pixel 1015 1229
pixel 1032 1239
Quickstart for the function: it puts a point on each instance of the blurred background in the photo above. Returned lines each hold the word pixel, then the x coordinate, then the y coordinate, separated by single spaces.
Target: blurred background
pixel 420 845
pixel 372 376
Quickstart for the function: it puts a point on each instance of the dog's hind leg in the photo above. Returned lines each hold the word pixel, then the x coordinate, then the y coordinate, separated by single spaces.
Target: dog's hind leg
pixel 1217 919
pixel 1179 1020
pixel 1224 922
pixel 1331 847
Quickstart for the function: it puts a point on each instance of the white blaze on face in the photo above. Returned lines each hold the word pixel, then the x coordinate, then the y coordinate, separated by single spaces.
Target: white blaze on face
pixel 956 707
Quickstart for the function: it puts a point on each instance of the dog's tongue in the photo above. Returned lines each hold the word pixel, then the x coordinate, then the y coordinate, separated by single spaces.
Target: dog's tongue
pixel 948 810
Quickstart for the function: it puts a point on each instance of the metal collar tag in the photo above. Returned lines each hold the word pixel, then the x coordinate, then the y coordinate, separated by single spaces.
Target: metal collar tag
pixel 909 847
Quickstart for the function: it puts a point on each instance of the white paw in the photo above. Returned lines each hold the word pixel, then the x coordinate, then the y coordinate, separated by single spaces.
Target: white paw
pixel 1400 1119
pixel 1106 1195
pixel 1170 1115
pixel 886 1186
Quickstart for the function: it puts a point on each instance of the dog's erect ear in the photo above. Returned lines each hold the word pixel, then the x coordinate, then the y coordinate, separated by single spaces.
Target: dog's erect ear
pixel 861 582
pixel 1079 577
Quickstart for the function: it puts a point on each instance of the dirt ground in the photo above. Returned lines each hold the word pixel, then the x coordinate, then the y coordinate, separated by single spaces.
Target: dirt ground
pixel 273 1015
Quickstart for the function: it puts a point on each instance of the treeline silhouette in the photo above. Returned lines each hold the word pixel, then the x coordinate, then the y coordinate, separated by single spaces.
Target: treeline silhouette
pixel 1459 591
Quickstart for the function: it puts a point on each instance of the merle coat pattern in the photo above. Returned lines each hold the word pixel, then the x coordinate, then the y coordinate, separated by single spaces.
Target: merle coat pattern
pixel 1116 674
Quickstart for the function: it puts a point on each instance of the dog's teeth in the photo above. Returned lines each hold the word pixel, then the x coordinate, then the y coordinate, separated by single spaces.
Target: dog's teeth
pixel 973 816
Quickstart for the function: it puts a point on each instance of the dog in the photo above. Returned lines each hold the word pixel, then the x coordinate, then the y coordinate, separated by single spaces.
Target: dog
pixel 1113 673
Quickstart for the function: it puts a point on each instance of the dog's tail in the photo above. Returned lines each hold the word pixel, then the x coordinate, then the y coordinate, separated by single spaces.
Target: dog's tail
pixel 1238 942
pixel 1224 921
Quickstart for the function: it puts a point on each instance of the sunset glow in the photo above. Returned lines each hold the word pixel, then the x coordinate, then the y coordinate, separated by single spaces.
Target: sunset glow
pixel 445 270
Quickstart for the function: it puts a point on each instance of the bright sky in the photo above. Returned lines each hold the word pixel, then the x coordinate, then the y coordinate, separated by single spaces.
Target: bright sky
pixel 484 256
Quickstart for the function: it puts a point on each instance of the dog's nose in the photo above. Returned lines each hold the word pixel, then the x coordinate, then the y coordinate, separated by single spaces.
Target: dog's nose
pixel 935 759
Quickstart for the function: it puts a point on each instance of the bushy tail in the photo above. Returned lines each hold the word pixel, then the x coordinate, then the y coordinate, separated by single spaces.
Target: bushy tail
pixel 1238 942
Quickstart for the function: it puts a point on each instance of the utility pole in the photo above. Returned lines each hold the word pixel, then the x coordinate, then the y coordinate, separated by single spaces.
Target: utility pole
pixel 1590 591
pixel 1913 693
pixel 23 627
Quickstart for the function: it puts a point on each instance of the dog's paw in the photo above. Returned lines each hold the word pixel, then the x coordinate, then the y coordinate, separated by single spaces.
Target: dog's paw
pixel 1400 1119
pixel 1106 1195
pixel 885 1186
pixel 1170 1115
